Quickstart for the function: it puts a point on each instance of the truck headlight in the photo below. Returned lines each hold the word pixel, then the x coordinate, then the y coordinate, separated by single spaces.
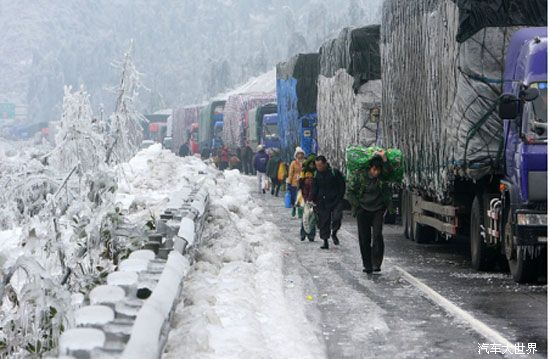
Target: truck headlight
pixel 531 219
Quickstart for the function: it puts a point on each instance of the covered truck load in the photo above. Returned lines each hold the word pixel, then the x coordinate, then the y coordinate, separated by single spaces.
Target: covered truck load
pixel 255 122
pixel 296 98
pixel 442 66
pixel 181 122
pixel 350 92
pixel 236 116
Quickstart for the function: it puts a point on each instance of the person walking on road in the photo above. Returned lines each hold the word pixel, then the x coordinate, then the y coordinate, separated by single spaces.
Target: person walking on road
pixel 247 155
pixel 273 171
pixel 294 176
pixel 224 158
pixel 306 186
pixel 260 166
pixel 370 198
pixel 327 194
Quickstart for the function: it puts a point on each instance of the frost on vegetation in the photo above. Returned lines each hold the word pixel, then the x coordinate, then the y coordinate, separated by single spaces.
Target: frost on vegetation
pixel 62 201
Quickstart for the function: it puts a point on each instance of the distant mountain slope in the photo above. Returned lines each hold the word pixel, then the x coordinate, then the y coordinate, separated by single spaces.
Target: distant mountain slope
pixel 187 50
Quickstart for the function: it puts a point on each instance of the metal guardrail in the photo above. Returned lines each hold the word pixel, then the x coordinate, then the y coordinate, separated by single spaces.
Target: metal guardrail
pixel 130 316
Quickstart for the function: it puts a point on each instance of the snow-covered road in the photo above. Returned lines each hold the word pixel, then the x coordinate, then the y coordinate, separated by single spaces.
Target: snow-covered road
pixel 239 301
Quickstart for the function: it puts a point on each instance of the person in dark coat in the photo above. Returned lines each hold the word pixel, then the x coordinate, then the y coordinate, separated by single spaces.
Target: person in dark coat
pixel 247 155
pixel 329 187
pixel 260 166
pixel 224 158
pixel 370 198
pixel 184 150
pixel 273 170
pixel 205 153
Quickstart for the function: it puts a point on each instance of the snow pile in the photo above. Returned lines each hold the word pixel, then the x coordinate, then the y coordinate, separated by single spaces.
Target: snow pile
pixel 151 178
pixel 234 303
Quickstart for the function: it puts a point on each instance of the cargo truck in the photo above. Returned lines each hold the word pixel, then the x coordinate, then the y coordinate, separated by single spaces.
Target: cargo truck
pixel 469 111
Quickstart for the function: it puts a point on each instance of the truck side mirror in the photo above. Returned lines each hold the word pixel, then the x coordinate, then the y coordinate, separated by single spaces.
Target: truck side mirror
pixel 530 94
pixel 508 107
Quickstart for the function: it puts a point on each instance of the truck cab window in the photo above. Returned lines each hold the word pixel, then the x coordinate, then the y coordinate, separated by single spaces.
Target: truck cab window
pixel 534 126
pixel 271 131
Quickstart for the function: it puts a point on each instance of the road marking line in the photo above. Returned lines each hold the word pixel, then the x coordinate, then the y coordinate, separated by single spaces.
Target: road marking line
pixel 483 329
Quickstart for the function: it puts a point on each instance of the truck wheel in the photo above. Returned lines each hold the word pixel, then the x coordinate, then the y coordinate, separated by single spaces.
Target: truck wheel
pixel 522 267
pixel 483 257
pixel 405 215
pixel 422 233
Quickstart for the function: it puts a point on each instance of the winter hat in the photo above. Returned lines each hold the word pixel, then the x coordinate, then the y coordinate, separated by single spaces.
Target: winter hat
pixel 298 150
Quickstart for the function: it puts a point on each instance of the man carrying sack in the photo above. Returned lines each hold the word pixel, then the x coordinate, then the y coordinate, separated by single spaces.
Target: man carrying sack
pixel 370 197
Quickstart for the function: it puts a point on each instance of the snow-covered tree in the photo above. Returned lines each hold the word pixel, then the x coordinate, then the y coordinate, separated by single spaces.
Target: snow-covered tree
pixel 79 141
pixel 126 123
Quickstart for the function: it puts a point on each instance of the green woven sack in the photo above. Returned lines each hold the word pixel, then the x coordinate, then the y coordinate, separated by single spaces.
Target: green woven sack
pixel 358 158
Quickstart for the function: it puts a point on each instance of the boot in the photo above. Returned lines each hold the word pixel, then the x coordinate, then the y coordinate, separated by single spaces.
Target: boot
pixel 335 238
pixel 325 244
pixel 293 211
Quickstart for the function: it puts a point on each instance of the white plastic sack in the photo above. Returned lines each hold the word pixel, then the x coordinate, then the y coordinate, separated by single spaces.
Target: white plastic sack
pixel 309 219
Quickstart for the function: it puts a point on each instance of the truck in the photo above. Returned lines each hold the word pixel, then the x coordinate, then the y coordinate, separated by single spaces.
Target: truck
pixel 473 132
pixel 210 116
pixel 255 121
pixel 308 133
pixel 217 141
pixel 297 102
pixel 349 92
pixel 194 147
pixel 270 131
pixel 155 128
pixel 181 126
pixel 236 116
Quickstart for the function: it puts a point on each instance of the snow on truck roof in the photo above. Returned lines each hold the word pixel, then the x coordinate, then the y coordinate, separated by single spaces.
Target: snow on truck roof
pixel 264 83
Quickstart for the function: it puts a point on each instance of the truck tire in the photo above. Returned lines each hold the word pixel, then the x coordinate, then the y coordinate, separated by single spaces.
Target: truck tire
pixel 405 215
pixel 524 269
pixel 483 257
pixel 422 233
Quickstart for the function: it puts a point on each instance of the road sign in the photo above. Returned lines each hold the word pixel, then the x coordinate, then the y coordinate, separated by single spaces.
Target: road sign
pixel 7 110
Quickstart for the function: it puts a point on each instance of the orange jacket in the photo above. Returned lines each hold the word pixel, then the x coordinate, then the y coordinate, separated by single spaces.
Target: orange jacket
pixel 294 172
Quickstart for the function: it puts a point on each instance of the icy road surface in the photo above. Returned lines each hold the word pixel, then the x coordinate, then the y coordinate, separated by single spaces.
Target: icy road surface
pixel 258 292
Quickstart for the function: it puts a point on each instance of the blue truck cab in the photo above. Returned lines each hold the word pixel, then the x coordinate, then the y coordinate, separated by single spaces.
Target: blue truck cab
pixel 217 142
pixel 519 215
pixel 270 131
pixel 308 133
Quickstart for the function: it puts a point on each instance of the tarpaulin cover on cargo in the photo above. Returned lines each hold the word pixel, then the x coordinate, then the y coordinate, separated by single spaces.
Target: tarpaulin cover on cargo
pixel 477 14
pixel 355 50
pixel 346 118
pixel 181 124
pixel 350 92
pixel 236 116
pixel 440 95
pixel 296 97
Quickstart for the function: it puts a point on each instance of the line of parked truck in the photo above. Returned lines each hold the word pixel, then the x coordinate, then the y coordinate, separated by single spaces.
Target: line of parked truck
pixel 459 87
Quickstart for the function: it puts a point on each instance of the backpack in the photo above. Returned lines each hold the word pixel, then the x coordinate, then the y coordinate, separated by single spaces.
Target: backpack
pixel 282 171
